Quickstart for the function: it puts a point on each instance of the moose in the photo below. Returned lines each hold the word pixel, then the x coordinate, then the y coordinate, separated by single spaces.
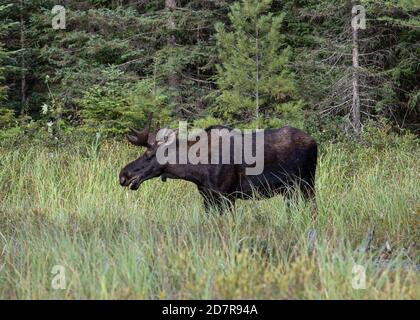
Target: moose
pixel 290 158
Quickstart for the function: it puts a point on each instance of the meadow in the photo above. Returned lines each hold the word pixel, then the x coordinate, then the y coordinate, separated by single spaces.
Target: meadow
pixel 65 207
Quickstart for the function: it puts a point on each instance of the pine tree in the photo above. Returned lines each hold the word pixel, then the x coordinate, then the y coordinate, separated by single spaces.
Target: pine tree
pixel 385 70
pixel 254 79
pixel 6 114
pixel 393 73
pixel 3 56
pixel 184 53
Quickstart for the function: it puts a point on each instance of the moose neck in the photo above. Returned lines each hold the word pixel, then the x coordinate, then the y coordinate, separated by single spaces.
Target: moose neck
pixel 192 173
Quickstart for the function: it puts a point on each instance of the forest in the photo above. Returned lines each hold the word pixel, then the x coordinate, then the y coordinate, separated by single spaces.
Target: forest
pixel 198 61
pixel 76 75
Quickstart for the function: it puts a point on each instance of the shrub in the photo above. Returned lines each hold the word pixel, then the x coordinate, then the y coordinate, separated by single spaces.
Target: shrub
pixel 113 106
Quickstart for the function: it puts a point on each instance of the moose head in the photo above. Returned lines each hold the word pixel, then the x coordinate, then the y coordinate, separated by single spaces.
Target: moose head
pixel 146 166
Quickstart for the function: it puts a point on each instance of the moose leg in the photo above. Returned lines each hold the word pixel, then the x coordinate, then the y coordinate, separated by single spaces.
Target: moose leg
pixel 226 204
pixel 308 191
pixel 216 201
pixel 207 200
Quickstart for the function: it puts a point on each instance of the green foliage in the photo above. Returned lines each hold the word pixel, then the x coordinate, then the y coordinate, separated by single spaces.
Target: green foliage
pixel 4 55
pixel 254 75
pixel 113 106
pixel 3 87
pixel 202 57
pixel 380 137
pixel 206 122
pixel 389 66
pixel 7 118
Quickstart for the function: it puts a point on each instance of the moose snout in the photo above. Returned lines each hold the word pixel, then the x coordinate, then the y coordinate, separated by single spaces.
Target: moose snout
pixel 124 179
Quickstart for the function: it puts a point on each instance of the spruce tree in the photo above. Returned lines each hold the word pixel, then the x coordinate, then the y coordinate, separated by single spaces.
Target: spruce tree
pixel 387 70
pixel 254 78
pixel 6 114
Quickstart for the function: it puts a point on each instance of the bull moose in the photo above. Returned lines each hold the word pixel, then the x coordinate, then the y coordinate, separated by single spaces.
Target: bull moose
pixel 290 158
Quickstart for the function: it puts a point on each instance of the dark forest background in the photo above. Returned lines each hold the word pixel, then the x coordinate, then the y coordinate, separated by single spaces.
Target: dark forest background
pixel 240 63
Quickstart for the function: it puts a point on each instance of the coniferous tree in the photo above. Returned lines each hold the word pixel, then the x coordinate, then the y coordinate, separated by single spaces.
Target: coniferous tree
pixel 254 78
pixel 387 72
pixel 274 59
pixel 3 56
pixel 6 114
pixel 184 53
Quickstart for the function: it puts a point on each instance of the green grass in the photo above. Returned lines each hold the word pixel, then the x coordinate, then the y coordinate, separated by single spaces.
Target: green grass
pixel 66 208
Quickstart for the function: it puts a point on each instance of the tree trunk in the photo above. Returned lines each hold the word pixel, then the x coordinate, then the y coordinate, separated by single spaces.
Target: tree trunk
pixel 171 5
pixel 257 77
pixel 173 79
pixel 355 82
pixel 23 60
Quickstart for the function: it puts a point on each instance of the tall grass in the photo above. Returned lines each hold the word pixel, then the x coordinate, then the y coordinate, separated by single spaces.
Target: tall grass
pixel 66 208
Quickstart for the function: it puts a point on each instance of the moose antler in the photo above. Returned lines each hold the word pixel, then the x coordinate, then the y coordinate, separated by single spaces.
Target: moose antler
pixel 141 137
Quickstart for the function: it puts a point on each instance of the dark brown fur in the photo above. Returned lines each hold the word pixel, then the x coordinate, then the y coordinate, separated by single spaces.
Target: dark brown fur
pixel 290 158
